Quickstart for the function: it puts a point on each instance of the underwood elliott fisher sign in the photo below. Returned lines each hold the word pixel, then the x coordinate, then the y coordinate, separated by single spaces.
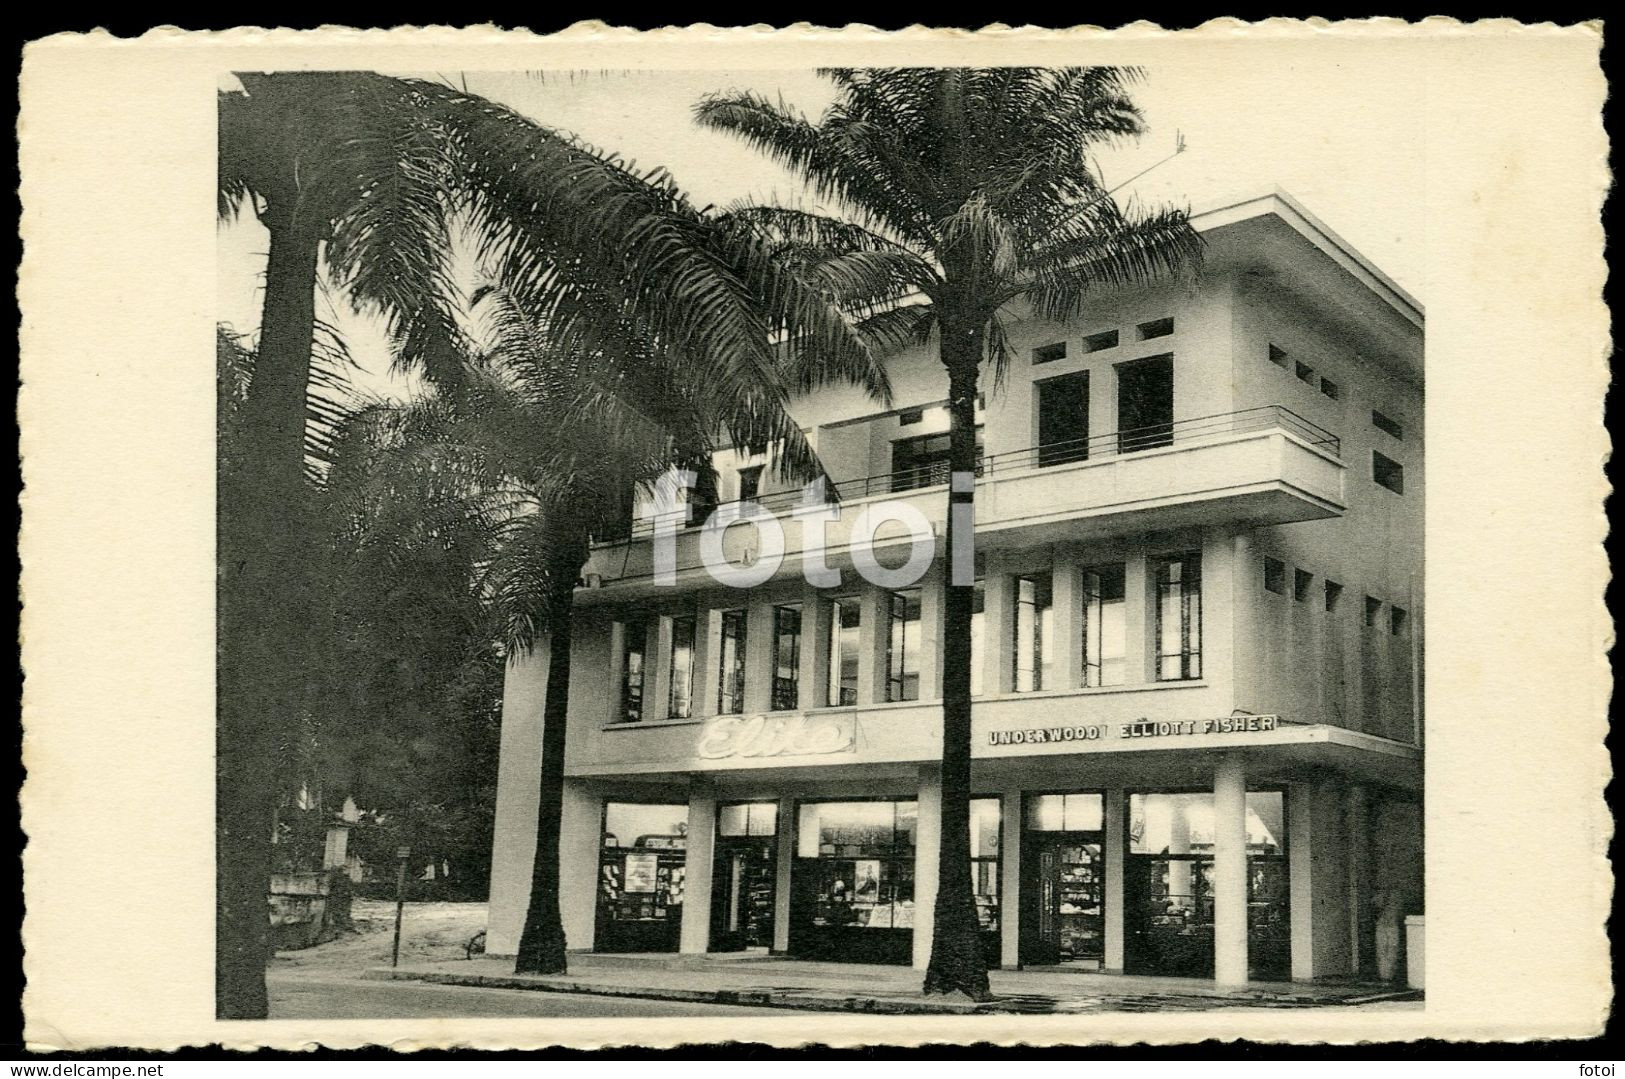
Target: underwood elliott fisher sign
pixel 1144 728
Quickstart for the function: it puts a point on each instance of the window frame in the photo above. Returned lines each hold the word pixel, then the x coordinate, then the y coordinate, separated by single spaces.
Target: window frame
pixel 1189 657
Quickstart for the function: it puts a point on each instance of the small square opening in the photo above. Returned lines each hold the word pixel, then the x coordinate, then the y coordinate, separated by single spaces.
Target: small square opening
pixel 1275 576
pixel 1278 355
pixel 1050 353
pixel 1161 327
pixel 1334 592
pixel 1301 581
pixel 1097 342
pixel 1388 473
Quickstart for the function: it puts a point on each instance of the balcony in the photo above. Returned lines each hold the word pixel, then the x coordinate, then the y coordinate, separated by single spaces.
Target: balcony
pixel 1260 466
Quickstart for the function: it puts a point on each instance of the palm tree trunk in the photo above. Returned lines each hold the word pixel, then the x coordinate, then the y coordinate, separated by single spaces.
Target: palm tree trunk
pixel 957 964
pixel 260 621
pixel 541 943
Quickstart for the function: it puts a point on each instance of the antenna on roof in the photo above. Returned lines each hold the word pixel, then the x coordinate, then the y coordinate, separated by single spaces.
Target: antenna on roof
pixel 1179 142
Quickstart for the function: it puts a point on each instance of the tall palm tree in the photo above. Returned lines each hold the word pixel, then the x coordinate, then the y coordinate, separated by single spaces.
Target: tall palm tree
pixel 966 198
pixel 374 180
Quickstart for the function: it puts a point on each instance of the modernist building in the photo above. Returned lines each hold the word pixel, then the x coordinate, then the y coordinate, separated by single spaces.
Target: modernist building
pixel 1197 719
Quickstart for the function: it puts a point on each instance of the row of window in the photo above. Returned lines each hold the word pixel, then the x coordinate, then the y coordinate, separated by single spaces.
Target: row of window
pixel 1332 592
pixel 1099 342
pixel 1102 657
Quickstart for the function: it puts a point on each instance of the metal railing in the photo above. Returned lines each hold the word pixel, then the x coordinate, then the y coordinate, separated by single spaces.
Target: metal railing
pixel 1096 447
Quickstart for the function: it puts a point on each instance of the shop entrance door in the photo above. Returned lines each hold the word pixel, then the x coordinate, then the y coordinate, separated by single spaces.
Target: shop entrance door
pixel 742 893
pixel 1065 917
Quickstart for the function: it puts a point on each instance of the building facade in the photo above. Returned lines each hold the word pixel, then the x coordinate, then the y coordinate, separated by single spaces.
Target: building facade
pixel 1197 671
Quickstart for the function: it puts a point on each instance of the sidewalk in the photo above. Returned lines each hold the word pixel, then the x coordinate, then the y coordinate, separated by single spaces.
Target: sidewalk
pixel 856 987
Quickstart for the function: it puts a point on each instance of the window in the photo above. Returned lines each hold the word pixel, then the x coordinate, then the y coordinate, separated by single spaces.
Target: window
pixel 978 630
pixel 1065 812
pixel 681 705
pixel 984 861
pixel 1334 592
pixel 1372 606
pixel 858 863
pixel 1383 423
pixel 634 642
pixel 909 417
pixel 750 483
pixel 1179 616
pixel 1161 327
pixel 1396 620
pixel 1035 629
pixel 1050 353
pixel 844 619
pixel 748 818
pixel 1278 356
pixel 1330 389
pixel 1301 581
pixel 923 461
pixel 1098 342
pixel 1105 631
pixel 786 658
pixel 1388 473
pixel 903 647
pixel 1304 372
pixel 702 497
pixel 731 673
pixel 1275 576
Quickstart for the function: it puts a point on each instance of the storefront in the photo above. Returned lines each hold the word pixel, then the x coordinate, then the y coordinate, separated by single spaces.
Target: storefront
pixel 742 889
pixel 852 884
pixel 641 877
pixel 1063 885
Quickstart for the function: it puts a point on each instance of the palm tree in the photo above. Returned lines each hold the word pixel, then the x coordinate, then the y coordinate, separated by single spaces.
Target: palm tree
pixel 967 199
pixel 373 182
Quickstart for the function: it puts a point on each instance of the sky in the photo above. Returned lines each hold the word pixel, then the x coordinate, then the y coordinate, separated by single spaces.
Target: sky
pixel 1346 138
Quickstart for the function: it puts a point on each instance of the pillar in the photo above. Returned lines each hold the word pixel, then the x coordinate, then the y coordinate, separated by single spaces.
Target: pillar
pixel 927 852
pixel 1300 823
pixel 932 598
pixel 814 671
pixel 1362 944
pixel 581 827
pixel 1066 651
pixel 657 673
pixel 1116 853
pixel 694 936
pixel 785 851
pixel 998 625
pixel 758 657
pixel 874 625
pixel 1010 827
pixel 1139 620
pixel 513 839
pixel 1230 870
pixel 707 663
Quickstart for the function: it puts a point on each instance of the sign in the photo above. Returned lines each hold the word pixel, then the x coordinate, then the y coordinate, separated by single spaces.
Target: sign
pixel 1141 728
pixel 777 736
pixel 640 873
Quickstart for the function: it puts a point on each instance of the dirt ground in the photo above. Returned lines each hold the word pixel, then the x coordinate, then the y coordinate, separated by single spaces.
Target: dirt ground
pixel 430 932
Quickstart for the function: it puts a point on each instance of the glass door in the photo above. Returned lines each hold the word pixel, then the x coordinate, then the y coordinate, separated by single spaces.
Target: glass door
pixel 1063 862
pixel 745 869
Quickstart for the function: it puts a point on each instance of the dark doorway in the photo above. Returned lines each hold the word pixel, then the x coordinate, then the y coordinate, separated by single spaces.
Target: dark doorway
pixel 745 867
pixel 1065 919
pixel 1145 404
pixel 1063 420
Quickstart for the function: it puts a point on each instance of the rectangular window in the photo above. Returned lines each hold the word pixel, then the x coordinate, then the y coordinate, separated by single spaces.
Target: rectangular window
pixel 1383 423
pixel 1396 620
pixel 903 647
pixel 858 868
pixel 681 705
pixel 1035 632
pixel 1275 576
pixel 731 671
pixel 1066 812
pixel 748 819
pixel 978 630
pixel 634 643
pixel 1330 389
pixel 1105 630
pixel 1372 607
pixel 984 861
pixel 1301 580
pixel 1050 353
pixel 1062 407
pixel 909 417
pixel 1278 356
pixel 1334 592
pixel 1388 473
pixel 702 497
pixel 844 620
pixel 750 483
pixel 1179 616
pixel 1304 372
pixel 1161 327
pixel 1099 342
pixel 786 658
pixel 923 462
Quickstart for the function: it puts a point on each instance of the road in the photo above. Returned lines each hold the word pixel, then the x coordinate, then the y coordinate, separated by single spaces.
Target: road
pixel 308 995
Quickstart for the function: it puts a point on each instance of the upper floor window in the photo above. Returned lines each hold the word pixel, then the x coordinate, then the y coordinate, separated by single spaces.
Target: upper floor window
pixel 1304 372
pixel 1388 473
pixel 1105 634
pixel 681 705
pixel 923 461
pixel 1334 592
pixel 903 647
pixel 844 621
pixel 1050 353
pixel 978 631
pixel 731 667
pixel 1098 342
pixel 786 658
pixel 1035 630
pixel 910 416
pixel 1383 423
pixel 1330 389
pixel 634 646
pixel 1275 576
pixel 702 497
pixel 1301 580
pixel 1161 327
pixel 1179 616
pixel 1396 620
pixel 750 483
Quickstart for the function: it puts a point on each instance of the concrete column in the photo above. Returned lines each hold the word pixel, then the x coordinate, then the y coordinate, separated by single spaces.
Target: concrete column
pixel 1362 944
pixel 874 623
pixel 758 657
pixel 657 665
pixel 611 705
pixel 931 603
pixel 1300 852
pixel 785 849
pixel 814 649
pixel 695 934
pixel 927 850
pixel 1139 621
pixel 1067 648
pixel 1230 870
pixel 581 837
pixel 1116 854
pixel 1010 827
pixel 998 628
pixel 707 663
pixel 513 846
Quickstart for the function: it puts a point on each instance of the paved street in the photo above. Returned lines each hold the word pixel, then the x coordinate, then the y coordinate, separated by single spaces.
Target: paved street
pixel 306 996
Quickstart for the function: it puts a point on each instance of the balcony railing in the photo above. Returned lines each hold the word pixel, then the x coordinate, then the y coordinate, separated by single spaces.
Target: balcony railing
pixel 1097 447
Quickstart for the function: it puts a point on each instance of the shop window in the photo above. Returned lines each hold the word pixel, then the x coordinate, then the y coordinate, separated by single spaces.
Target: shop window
pixel 1105 628
pixel 1161 327
pixel 1183 824
pixel 731 666
pixel 844 621
pixel 1179 616
pixel 1301 580
pixel 750 483
pixel 1050 353
pixel 1372 607
pixel 1388 473
pixel 1278 356
pixel 1035 631
pixel 984 861
pixel 1386 425
pixel 786 658
pixel 748 819
pixel 978 630
pixel 1065 812
pixel 641 874
pixel 1099 342
pixel 1334 592
pixel 858 872
pixel 681 704
pixel 903 647
pixel 634 645
pixel 1275 576
pixel 1330 389
pixel 1396 620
